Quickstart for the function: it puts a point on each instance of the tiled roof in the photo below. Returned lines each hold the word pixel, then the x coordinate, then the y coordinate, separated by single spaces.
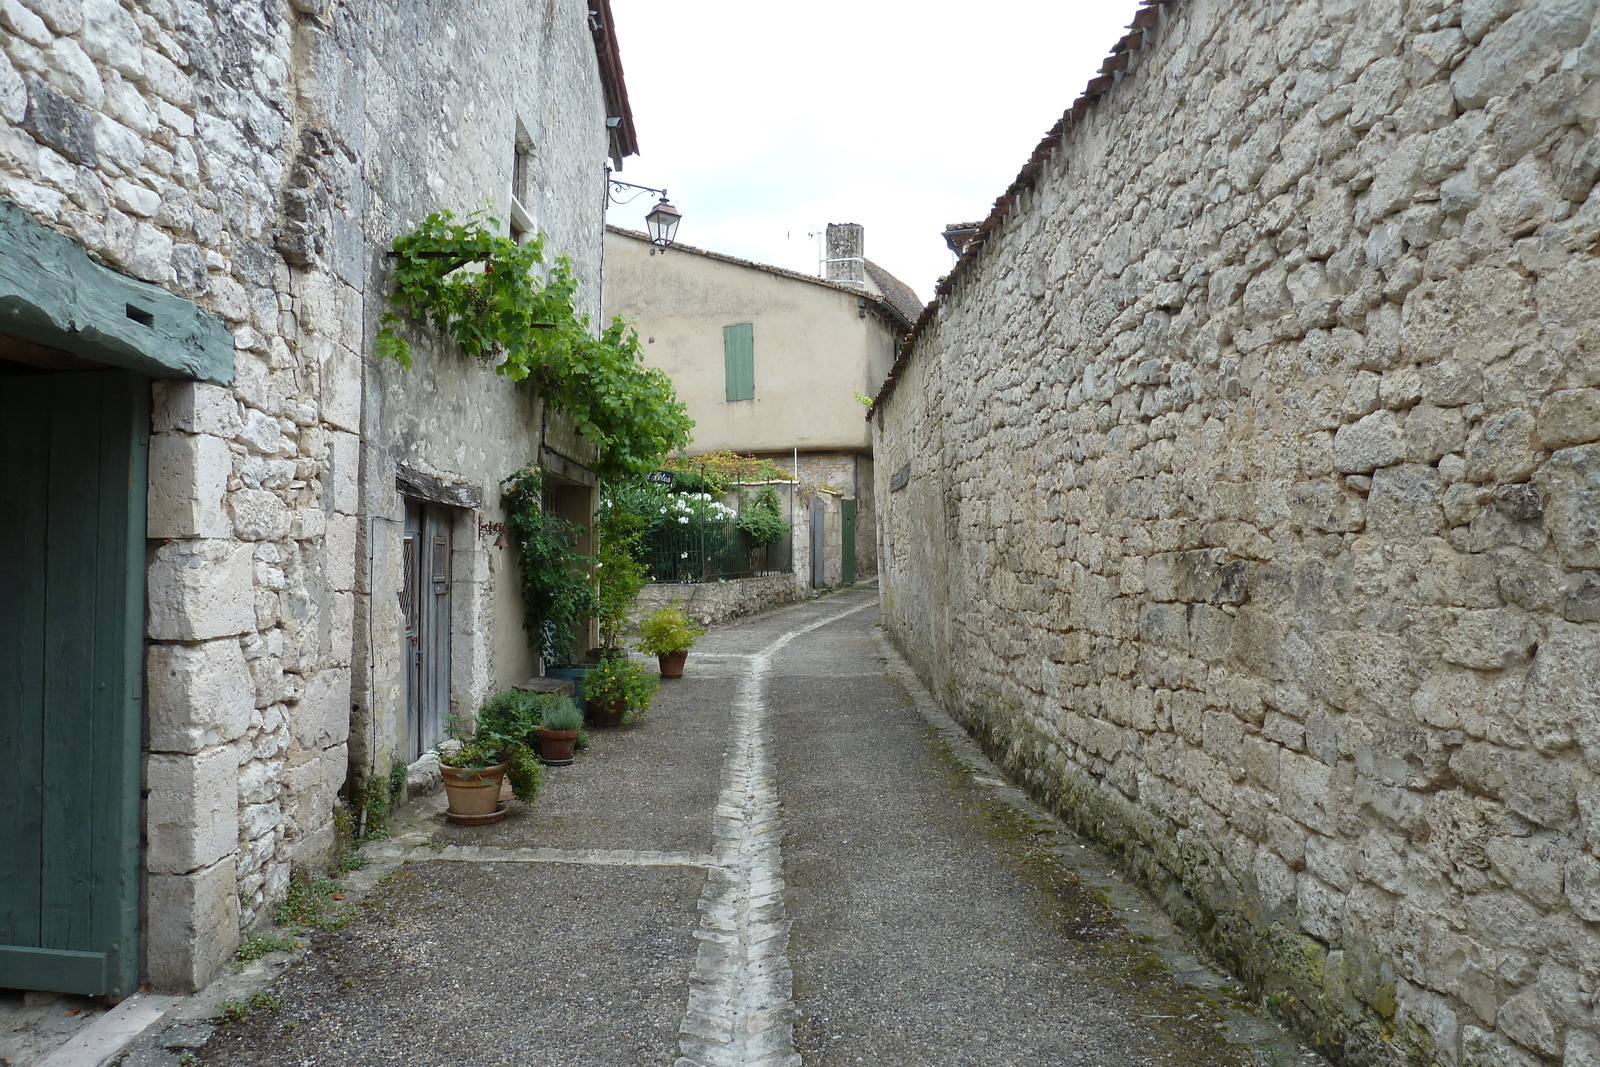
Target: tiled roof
pixel 903 298
pixel 883 303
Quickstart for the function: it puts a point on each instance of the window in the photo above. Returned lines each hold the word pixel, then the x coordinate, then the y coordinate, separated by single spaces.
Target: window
pixel 739 361
pixel 522 184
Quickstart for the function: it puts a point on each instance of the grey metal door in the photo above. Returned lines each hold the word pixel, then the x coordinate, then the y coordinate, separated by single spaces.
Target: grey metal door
pixel 819 541
pixel 426 607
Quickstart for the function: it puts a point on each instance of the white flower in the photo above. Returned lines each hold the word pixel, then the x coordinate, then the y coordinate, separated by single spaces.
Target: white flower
pixel 684 519
pixel 683 555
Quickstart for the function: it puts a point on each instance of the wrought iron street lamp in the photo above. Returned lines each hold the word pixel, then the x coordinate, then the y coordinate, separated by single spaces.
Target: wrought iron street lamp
pixel 662 221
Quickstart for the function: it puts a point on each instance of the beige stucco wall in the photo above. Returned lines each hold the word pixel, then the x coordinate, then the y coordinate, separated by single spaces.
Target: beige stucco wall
pixel 814 347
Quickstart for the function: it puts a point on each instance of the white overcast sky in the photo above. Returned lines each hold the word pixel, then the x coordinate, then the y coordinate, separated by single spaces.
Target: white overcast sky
pixel 767 121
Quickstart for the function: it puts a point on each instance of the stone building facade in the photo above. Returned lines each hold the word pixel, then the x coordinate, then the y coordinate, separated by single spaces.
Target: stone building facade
pixel 1242 489
pixel 813 346
pixel 250 164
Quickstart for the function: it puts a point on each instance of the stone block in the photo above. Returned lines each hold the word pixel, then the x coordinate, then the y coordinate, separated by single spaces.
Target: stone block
pixel 192 813
pixel 1569 417
pixel 1503 449
pixel 322 717
pixel 1488 640
pixel 199 590
pixel 198 695
pixel 1372 442
pixel 188 478
pixel 341 388
pixel 193 407
pixel 343 483
pixel 1404 503
pixel 310 791
pixel 259 515
pixel 191 926
pixel 1573 512
pixel 1560 697
pixel 339 546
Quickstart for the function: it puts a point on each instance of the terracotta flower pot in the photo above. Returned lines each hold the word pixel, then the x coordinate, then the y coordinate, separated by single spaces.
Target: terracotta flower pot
pixel 556 746
pixel 606 712
pixel 672 663
pixel 474 793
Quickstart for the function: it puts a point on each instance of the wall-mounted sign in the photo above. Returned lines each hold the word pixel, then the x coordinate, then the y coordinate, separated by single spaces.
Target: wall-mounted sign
pixel 661 477
pixel 901 477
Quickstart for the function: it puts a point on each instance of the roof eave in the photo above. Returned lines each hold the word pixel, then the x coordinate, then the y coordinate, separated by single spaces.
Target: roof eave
pixel 624 139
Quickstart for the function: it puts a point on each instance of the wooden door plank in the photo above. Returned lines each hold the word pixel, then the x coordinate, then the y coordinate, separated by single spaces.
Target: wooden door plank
pixel 118 655
pixel 58 970
pixel 71 692
pixel 24 433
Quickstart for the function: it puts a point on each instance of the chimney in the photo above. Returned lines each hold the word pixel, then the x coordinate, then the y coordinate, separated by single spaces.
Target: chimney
pixel 845 260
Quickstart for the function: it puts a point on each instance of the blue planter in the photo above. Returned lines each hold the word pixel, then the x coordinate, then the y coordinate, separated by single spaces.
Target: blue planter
pixel 576 673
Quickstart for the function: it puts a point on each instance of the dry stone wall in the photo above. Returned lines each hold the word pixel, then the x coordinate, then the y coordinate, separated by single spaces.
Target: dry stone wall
pixel 1251 506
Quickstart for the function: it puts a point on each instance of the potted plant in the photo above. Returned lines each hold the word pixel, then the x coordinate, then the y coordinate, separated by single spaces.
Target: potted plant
pixel 668 634
pixel 473 765
pixel 560 721
pixel 618 691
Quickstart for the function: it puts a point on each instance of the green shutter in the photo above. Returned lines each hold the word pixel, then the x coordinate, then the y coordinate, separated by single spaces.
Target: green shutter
pixel 739 361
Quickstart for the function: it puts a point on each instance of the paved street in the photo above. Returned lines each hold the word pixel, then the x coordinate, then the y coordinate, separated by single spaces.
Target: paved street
pixel 791 860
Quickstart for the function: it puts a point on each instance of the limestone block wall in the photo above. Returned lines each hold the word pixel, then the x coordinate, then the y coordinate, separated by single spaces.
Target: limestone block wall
pixel 1253 505
pixel 258 158
pixel 419 108
pixel 154 134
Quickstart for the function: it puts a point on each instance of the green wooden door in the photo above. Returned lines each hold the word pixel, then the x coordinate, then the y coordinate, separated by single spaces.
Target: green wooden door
pixel 72 480
pixel 847 541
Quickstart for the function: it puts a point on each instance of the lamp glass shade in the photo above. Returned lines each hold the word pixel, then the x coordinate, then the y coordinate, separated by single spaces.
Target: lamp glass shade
pixel 662 223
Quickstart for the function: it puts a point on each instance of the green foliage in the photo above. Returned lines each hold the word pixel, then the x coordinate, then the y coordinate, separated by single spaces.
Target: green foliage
pixel 556 593
pixel 506 733
pixel 511 715
pixel 526 774
pixel 518 312
pixel 235 1011
pixel 561 713
pixel 761 519
pixel 717 472
pixel 619 678
pixel 628 510
pixel 257 945
pixel 313 903
pixel 667 630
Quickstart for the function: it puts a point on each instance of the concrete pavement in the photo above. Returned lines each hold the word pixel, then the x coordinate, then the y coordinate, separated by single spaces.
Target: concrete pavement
pixel 792 860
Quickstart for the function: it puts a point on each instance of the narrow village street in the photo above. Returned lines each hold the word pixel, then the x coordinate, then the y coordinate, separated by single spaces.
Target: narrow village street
pixel 791 859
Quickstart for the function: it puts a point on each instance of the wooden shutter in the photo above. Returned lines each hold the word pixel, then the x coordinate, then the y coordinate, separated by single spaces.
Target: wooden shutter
pixel 739 361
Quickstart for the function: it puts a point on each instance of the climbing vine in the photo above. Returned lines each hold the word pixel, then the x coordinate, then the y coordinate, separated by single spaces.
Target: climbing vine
pixel 556 593
pixel 498 302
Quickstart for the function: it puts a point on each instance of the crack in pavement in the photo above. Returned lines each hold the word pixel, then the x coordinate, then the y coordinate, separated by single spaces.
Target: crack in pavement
pixel 741 1007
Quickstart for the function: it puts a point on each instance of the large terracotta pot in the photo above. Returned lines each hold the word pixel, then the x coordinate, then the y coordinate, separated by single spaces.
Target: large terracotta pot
pixel 474 793
pixel 672 663
pixel 556 746
pixel 606 713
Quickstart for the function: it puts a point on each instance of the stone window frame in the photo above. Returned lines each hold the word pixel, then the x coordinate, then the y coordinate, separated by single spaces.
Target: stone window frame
pixel 523 160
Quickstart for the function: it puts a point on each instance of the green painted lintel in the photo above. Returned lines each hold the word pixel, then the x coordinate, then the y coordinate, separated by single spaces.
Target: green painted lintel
pixel 52 293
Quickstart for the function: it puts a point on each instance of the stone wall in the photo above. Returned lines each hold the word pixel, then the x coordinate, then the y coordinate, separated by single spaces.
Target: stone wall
pixel 258 158
pixel 1253 509
pixel 711 603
